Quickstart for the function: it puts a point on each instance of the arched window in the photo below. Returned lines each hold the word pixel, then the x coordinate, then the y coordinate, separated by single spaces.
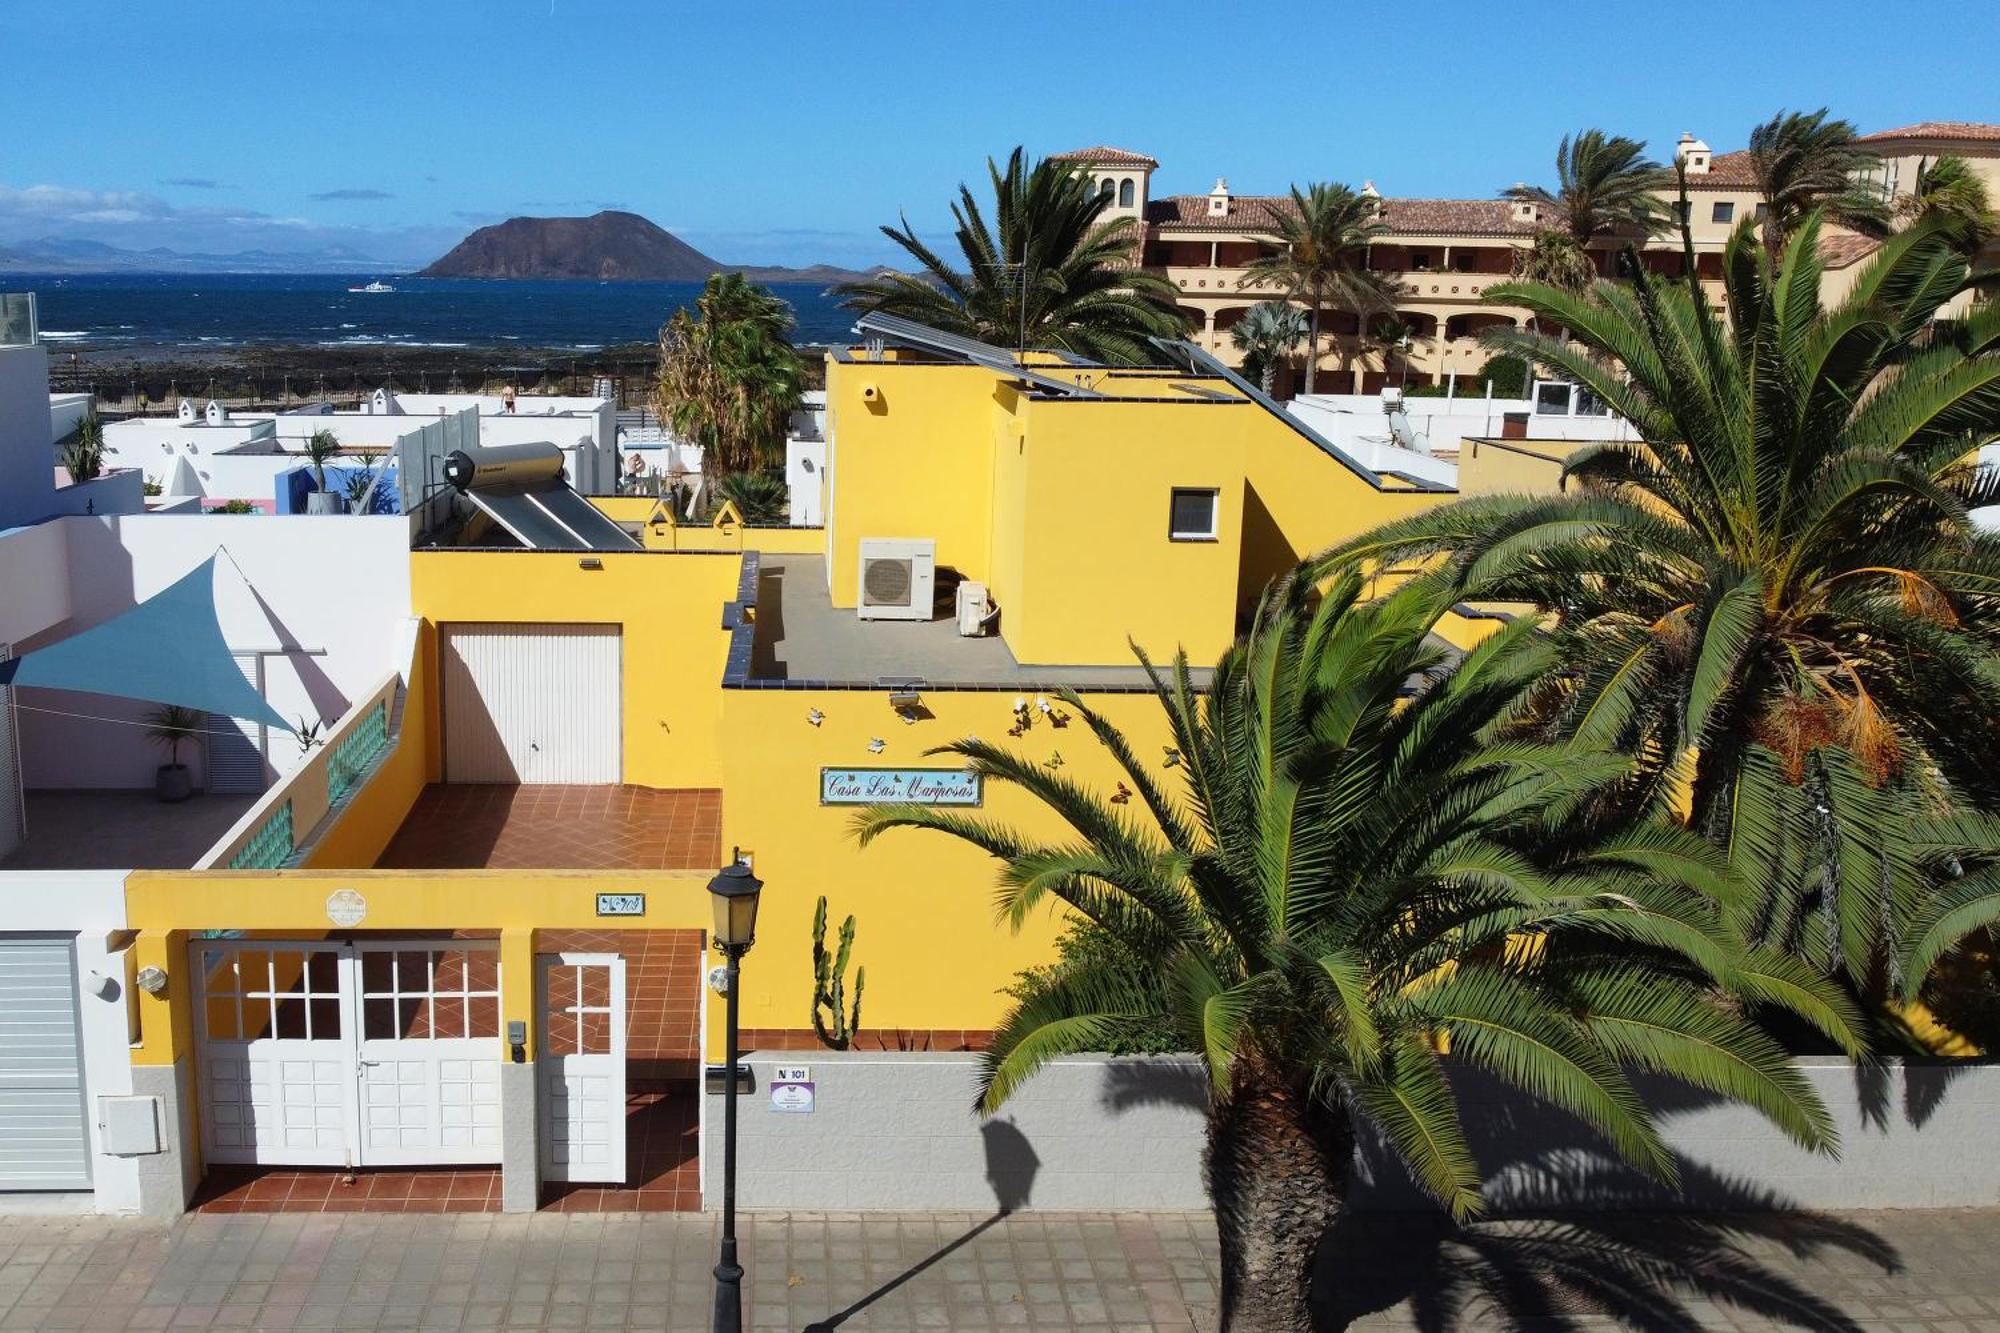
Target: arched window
pixel 1125 193
pixel 1106 186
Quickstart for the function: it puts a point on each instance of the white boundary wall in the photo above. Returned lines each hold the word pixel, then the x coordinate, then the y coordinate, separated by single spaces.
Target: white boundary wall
pixel 338 583
pixel 897 1131
pixel 89 906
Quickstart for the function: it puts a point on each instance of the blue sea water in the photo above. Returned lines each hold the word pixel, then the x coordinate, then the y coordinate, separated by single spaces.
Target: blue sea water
pixel 192 313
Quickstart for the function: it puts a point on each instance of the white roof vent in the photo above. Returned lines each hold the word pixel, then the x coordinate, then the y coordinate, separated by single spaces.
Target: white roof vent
pixel 1218 199
pixel 216 413
pixel 184 410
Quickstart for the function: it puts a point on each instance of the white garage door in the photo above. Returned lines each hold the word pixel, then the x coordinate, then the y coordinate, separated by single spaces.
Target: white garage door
pixel 531 703
pixel 44 1144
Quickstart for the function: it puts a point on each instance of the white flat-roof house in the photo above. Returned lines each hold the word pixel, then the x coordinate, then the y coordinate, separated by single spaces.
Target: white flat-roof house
pixel 313 612
pixel 217 454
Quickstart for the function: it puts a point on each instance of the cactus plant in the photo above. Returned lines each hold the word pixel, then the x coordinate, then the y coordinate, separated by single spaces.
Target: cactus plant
pixel 834 1019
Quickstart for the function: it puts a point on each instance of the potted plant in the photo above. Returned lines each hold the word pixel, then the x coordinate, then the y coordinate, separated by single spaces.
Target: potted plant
pixel 322 446
pixel 167 726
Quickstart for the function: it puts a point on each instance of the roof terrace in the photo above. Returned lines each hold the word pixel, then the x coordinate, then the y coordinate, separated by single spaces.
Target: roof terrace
pixel 121 830
pixel 803 641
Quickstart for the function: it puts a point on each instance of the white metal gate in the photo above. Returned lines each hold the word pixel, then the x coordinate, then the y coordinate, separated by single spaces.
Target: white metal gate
pixel 531 703
pixel 44 1143
pixel 328 1054
pixel 582 1067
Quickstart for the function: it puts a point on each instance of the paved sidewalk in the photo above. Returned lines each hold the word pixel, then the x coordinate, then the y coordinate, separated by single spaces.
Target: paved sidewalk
pixel 1907 1272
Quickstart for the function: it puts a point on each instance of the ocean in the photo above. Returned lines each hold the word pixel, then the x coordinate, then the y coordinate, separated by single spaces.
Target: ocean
pixel 189 314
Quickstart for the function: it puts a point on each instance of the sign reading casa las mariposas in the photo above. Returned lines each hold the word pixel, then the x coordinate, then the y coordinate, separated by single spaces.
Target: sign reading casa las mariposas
pixel 898 786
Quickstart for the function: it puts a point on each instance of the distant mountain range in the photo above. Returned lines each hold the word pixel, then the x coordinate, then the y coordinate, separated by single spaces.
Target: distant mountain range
pixel 610 246
pixel 57 254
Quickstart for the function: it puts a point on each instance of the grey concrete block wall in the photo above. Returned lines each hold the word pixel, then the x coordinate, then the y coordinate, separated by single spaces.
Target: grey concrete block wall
pixel 168 1178
pixel 897 1131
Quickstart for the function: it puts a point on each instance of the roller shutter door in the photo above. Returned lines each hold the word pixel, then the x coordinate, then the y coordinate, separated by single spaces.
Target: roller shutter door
pixel 44 1142
pixel 531 703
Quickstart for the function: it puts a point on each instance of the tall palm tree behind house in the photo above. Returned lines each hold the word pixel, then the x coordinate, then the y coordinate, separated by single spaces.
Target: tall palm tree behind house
pixel 1050 271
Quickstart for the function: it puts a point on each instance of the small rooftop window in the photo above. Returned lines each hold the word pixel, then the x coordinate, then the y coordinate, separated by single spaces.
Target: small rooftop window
pixel 1192 515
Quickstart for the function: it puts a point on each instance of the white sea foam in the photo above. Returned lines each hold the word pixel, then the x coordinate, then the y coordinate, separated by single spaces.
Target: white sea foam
pixel 64 335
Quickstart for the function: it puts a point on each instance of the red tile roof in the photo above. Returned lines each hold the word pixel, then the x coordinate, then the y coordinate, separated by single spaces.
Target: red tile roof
pixel 1838 249
pixel 1405 217
pixel 1106 156
pixel 1965 130
pixel 1726 171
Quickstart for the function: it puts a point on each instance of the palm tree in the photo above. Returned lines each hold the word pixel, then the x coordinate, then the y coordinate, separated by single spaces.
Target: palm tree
pixel 322 446
pixel 1323 257
pixel 1804 163
pixel 1394 337
pixel 1605 184
pixel 83 452
pixel 1058 275
pixel 1266 335
pixel 1356 887
pixel 1774 599
pixel 1949 190
pixel 729 378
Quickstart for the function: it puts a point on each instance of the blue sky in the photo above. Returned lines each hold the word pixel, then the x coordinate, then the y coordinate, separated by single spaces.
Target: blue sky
pixel 784 132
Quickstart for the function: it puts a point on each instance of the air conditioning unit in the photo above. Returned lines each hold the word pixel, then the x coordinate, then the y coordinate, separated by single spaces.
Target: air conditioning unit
pixel 973 609
pixel 898 578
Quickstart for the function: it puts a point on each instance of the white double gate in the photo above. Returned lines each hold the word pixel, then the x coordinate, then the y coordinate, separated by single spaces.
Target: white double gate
pixel 388 1054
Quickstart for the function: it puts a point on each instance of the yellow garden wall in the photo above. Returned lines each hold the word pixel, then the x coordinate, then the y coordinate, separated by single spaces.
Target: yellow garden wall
pixel 668 605
pixel 923 902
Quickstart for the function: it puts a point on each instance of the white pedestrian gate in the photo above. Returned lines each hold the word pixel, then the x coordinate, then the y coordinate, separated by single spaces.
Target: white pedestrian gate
pixel 531 703
pixel 582 1067
pixel 328 1054
pixel 44 1144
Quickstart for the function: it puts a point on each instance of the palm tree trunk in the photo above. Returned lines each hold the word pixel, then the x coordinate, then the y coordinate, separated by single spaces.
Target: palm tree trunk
pixel 1312 348
pixel 1278 1166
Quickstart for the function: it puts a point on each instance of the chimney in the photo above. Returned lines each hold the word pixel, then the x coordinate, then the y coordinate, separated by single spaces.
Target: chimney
pixel 1218 199
pixel 1525 210
pixel 1694 154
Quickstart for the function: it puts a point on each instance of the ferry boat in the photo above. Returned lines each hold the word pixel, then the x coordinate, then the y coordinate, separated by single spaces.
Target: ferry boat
pixel 377 286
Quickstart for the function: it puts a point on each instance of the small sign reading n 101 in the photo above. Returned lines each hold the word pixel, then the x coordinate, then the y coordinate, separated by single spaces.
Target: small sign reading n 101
pixel 621 904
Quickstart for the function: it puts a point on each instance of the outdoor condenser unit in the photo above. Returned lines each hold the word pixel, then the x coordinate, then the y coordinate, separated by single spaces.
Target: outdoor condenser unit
pixel 898 575
pixel 973 610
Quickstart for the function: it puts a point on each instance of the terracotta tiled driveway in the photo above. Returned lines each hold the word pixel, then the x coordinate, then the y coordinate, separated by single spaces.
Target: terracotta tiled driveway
pixel 559 828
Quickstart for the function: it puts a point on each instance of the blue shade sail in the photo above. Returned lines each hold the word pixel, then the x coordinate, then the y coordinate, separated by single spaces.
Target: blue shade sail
pixel 168 649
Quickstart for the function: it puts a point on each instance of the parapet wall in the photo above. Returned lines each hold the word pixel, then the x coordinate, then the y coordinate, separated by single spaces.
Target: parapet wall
pixel 897 1131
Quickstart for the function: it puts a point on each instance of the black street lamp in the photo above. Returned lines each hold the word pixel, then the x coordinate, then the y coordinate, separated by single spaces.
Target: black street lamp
pixel 734 894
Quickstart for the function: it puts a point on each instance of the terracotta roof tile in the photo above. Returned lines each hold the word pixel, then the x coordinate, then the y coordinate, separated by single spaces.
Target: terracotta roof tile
pixel 1965 130
pixel 1106 156
pixel 1405 217
pixel 1838 249
pixel 1726 171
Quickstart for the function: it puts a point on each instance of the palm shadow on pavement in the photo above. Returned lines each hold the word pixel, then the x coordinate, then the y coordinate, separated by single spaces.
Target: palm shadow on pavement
pixel 1534 1267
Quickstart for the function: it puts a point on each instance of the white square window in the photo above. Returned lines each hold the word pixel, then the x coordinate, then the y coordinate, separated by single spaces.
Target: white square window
pixel 1192 516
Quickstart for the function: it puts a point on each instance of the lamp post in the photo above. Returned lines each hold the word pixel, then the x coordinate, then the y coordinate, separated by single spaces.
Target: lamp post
pixel 733 893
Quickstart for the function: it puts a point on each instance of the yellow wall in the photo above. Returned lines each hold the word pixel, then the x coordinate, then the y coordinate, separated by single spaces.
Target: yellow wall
pixel 916 462
pixel 1097 566
pixel 1061 505
pixel 1512 467
pixel 375 811
pixel 669 607
pixel 923 902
